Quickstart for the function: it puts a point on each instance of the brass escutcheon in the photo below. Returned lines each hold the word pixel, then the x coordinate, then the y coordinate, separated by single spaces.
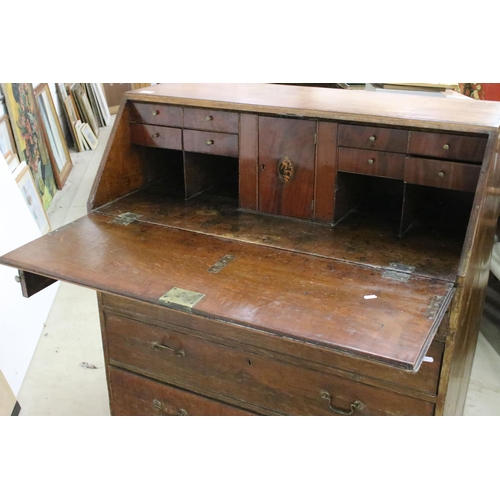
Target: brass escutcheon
pixel 286 170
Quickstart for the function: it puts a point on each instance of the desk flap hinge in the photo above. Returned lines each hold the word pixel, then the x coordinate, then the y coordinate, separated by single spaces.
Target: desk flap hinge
pixel 178 298
pixel 434 307
pixel 398 272
pixel 221 264
pixel 125 219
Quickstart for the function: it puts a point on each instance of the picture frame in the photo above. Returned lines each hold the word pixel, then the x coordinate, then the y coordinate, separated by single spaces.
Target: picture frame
pixel 81 138
pixel 7 144
pixel 32 198
pixel 89 135
pixel 85 109
pixel 54 136
pixel 13 162
pixel 73 117
pixel 28 136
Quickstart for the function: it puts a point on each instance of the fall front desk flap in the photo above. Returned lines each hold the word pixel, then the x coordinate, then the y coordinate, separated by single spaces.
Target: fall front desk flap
pixel 373 313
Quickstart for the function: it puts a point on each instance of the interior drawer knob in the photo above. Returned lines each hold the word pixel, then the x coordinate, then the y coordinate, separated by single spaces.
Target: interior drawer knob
pixel 446 146
pixel 210 142
pixel 372 138
pixel 182 412
pixel 209 118
pixel 371 161
pixel 155 135
pixel 441 174
pixel 155 112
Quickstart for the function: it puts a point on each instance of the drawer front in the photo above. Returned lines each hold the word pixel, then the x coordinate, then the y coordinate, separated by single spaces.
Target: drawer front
pixel 425 380
pixel 442 174
pixel 211 120
pixel 156 114
pixel 155 136
pixel 377 163
pixel 210 143
pixel 245 376
pixel 133 395
pixel 367 137
pixel 447 146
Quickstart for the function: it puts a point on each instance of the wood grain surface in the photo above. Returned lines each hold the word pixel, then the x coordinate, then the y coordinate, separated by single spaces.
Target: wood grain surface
pixel 245 377
pixel 360 238
pixel 281 138
pixel 288 293
pixel 335 104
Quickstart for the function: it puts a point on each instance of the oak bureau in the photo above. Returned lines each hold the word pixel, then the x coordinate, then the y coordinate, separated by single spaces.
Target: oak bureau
pixel 284 250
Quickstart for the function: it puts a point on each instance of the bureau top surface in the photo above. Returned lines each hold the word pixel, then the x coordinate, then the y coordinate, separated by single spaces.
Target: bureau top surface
pixel 466 115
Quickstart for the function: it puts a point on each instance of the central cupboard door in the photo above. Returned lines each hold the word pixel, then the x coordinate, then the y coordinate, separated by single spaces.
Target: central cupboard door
pixel 286 166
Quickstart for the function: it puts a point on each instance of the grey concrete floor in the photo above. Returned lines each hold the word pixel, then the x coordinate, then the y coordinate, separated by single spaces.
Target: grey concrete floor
pixel 58 384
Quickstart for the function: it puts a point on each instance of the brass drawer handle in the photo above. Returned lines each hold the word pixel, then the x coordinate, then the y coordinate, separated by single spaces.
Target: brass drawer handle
pixel 209 118
pixel 158 406
pixel 440 174
pixel 155 112
pixel 156 346
pixel 372 138
pixel 355 405
pixel 446 146
pixel 371 161
pixel 154 136
pixel 210 142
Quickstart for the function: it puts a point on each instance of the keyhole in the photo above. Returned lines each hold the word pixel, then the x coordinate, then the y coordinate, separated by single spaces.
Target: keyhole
pixel 249 362
pixel 263 167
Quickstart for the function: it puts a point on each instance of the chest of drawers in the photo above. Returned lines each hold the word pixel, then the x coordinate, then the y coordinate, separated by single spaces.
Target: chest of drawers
pixel 273 250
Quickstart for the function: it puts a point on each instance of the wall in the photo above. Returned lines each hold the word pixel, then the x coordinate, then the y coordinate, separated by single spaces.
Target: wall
pixel 21 320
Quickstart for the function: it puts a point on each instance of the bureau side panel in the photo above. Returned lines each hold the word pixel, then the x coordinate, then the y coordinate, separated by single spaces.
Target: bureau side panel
pixel 120 171
pixel 467 305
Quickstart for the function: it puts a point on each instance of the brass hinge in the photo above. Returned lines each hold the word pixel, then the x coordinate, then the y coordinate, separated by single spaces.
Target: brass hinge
pixel 125 219
pixel 398 272
pixel 315 138
pixel 178 298
pixel 434 307
pixel 221 264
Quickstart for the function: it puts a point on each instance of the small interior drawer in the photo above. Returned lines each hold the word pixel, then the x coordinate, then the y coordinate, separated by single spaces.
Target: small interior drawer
pixel 376 163
pixel 442 174
pixel 156 114
pixel 447 146
pixel 155 136
pixel 211 143
pixel 209 119
pixel 133 395
pixel 377 138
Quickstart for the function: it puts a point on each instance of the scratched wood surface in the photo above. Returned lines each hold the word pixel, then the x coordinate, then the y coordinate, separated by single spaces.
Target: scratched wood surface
pixel 292 294
pixel 363 239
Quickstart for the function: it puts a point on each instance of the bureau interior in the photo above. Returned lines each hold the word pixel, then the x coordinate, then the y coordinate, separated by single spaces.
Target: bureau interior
pixel 184 175
pixel 404 207
pixel 396 195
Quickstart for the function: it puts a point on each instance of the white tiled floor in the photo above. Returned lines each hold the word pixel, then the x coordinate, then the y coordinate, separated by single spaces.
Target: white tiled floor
pixel 57 384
